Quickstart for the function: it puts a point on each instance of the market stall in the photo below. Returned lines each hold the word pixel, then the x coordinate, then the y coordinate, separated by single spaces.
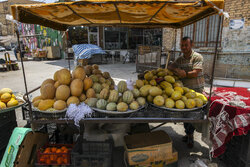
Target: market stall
pixel 105 104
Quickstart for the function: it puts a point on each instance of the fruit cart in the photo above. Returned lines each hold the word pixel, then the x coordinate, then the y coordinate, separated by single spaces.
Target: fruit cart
pixel 141 14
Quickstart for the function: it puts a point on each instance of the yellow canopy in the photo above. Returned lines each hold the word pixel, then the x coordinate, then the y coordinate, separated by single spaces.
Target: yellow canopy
pixel 132 13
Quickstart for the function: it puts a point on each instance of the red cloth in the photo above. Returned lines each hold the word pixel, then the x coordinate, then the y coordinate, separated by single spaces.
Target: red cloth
pixel 227 120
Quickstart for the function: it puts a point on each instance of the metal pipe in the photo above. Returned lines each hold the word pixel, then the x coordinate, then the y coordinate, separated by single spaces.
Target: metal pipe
pixel 213 67
pixel 24 77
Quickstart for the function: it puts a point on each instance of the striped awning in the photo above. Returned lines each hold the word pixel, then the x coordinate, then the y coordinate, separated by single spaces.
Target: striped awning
pixel 130 13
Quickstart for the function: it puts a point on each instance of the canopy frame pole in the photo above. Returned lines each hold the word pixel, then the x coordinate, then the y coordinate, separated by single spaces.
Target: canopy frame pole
pixel 24 76
pixel 214 59
pixel 78 14
pixel 157 12
pixel 118 13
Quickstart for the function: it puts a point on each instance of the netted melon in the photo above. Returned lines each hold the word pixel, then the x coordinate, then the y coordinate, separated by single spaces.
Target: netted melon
pixel 127 97
pixel 111 106
pixel 141 101
pixel 101 104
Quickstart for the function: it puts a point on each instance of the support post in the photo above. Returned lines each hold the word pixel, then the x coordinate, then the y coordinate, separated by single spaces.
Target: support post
pixel 214 59
pixel 24 77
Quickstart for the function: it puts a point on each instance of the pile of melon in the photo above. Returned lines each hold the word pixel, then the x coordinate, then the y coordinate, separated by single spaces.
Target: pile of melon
pixel 162 88
pixel 120 100
pixel 7 98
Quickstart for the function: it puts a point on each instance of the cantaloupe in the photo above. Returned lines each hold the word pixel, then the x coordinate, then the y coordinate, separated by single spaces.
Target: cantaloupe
pixel 60 105
pixel 64 76
pixel 76 87
pixel 82 97
pixel 87 83
pixel 36 98
pixel 48 91
pixel 90 93
pixel 73 100
pixel 62 92
pixel 48 81
pixel 57 84
pixel 79 73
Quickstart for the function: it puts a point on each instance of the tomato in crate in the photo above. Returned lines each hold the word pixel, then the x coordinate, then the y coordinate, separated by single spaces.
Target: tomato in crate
pixel 54 154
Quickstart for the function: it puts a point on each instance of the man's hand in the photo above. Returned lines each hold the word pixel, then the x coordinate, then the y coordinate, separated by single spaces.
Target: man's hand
pixel 180 73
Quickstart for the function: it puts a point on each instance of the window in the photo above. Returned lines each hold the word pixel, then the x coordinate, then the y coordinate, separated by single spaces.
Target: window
pixel 116 38
pixel 204 32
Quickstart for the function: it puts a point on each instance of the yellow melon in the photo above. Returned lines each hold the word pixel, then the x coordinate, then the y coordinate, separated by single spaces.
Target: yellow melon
pixel 179 104
pixel 76 87
pixel 144 91
pixel 2 105
pixel 190 103
pixel 5 90
pixel 12 103
pixel 62 92
pixel 36 98
pixel 5 97
pixel 176 95
pixel 36 103
pixel 155 91
pixel 79 73
pixel 169 79
pixel 139 83
pixel 190 95
pixel 169 91
pixel 159 100
pixel 179 89
pixel 64 76
pixel 122 107
pixel 45 104
pixel 198 102
pixel 59 105
pixel 48 91
pixel 169 103
pixel 73 100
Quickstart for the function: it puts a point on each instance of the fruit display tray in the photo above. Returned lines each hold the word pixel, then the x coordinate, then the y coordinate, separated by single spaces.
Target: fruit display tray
pixel 180 110
pixel 117 112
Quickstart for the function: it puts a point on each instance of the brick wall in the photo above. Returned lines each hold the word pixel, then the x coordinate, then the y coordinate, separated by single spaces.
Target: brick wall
pixel 237 9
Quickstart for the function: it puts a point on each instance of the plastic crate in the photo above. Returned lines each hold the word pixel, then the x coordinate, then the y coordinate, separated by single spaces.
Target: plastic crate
pixel 51 158
pixel 92 154
pixel 238 152
pixel 5 117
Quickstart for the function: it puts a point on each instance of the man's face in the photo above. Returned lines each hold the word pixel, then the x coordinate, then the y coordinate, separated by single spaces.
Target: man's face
pixel 186 46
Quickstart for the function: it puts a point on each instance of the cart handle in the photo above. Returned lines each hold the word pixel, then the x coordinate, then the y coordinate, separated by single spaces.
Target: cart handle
pixel 26 94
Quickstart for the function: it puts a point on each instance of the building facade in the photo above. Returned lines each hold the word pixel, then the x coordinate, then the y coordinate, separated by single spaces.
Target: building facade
pixel 233 59
pixel 6 26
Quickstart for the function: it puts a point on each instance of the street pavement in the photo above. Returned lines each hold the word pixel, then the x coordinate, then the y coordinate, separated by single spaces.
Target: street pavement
pixel 37 71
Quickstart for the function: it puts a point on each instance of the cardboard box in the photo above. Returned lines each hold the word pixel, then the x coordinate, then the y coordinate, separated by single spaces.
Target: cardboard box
pixel 42 53
pixel 22 148
pixel 173 162
pixel 26 155
pixel 144 148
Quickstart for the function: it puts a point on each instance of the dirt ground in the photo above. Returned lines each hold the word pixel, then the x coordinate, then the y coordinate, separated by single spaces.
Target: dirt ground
pixel 37 71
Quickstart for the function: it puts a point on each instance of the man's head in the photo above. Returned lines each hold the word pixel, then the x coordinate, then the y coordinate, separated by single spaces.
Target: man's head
pixel 186 45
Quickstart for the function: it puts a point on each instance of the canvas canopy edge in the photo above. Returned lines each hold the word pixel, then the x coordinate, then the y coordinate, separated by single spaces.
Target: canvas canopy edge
pixel 24 14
